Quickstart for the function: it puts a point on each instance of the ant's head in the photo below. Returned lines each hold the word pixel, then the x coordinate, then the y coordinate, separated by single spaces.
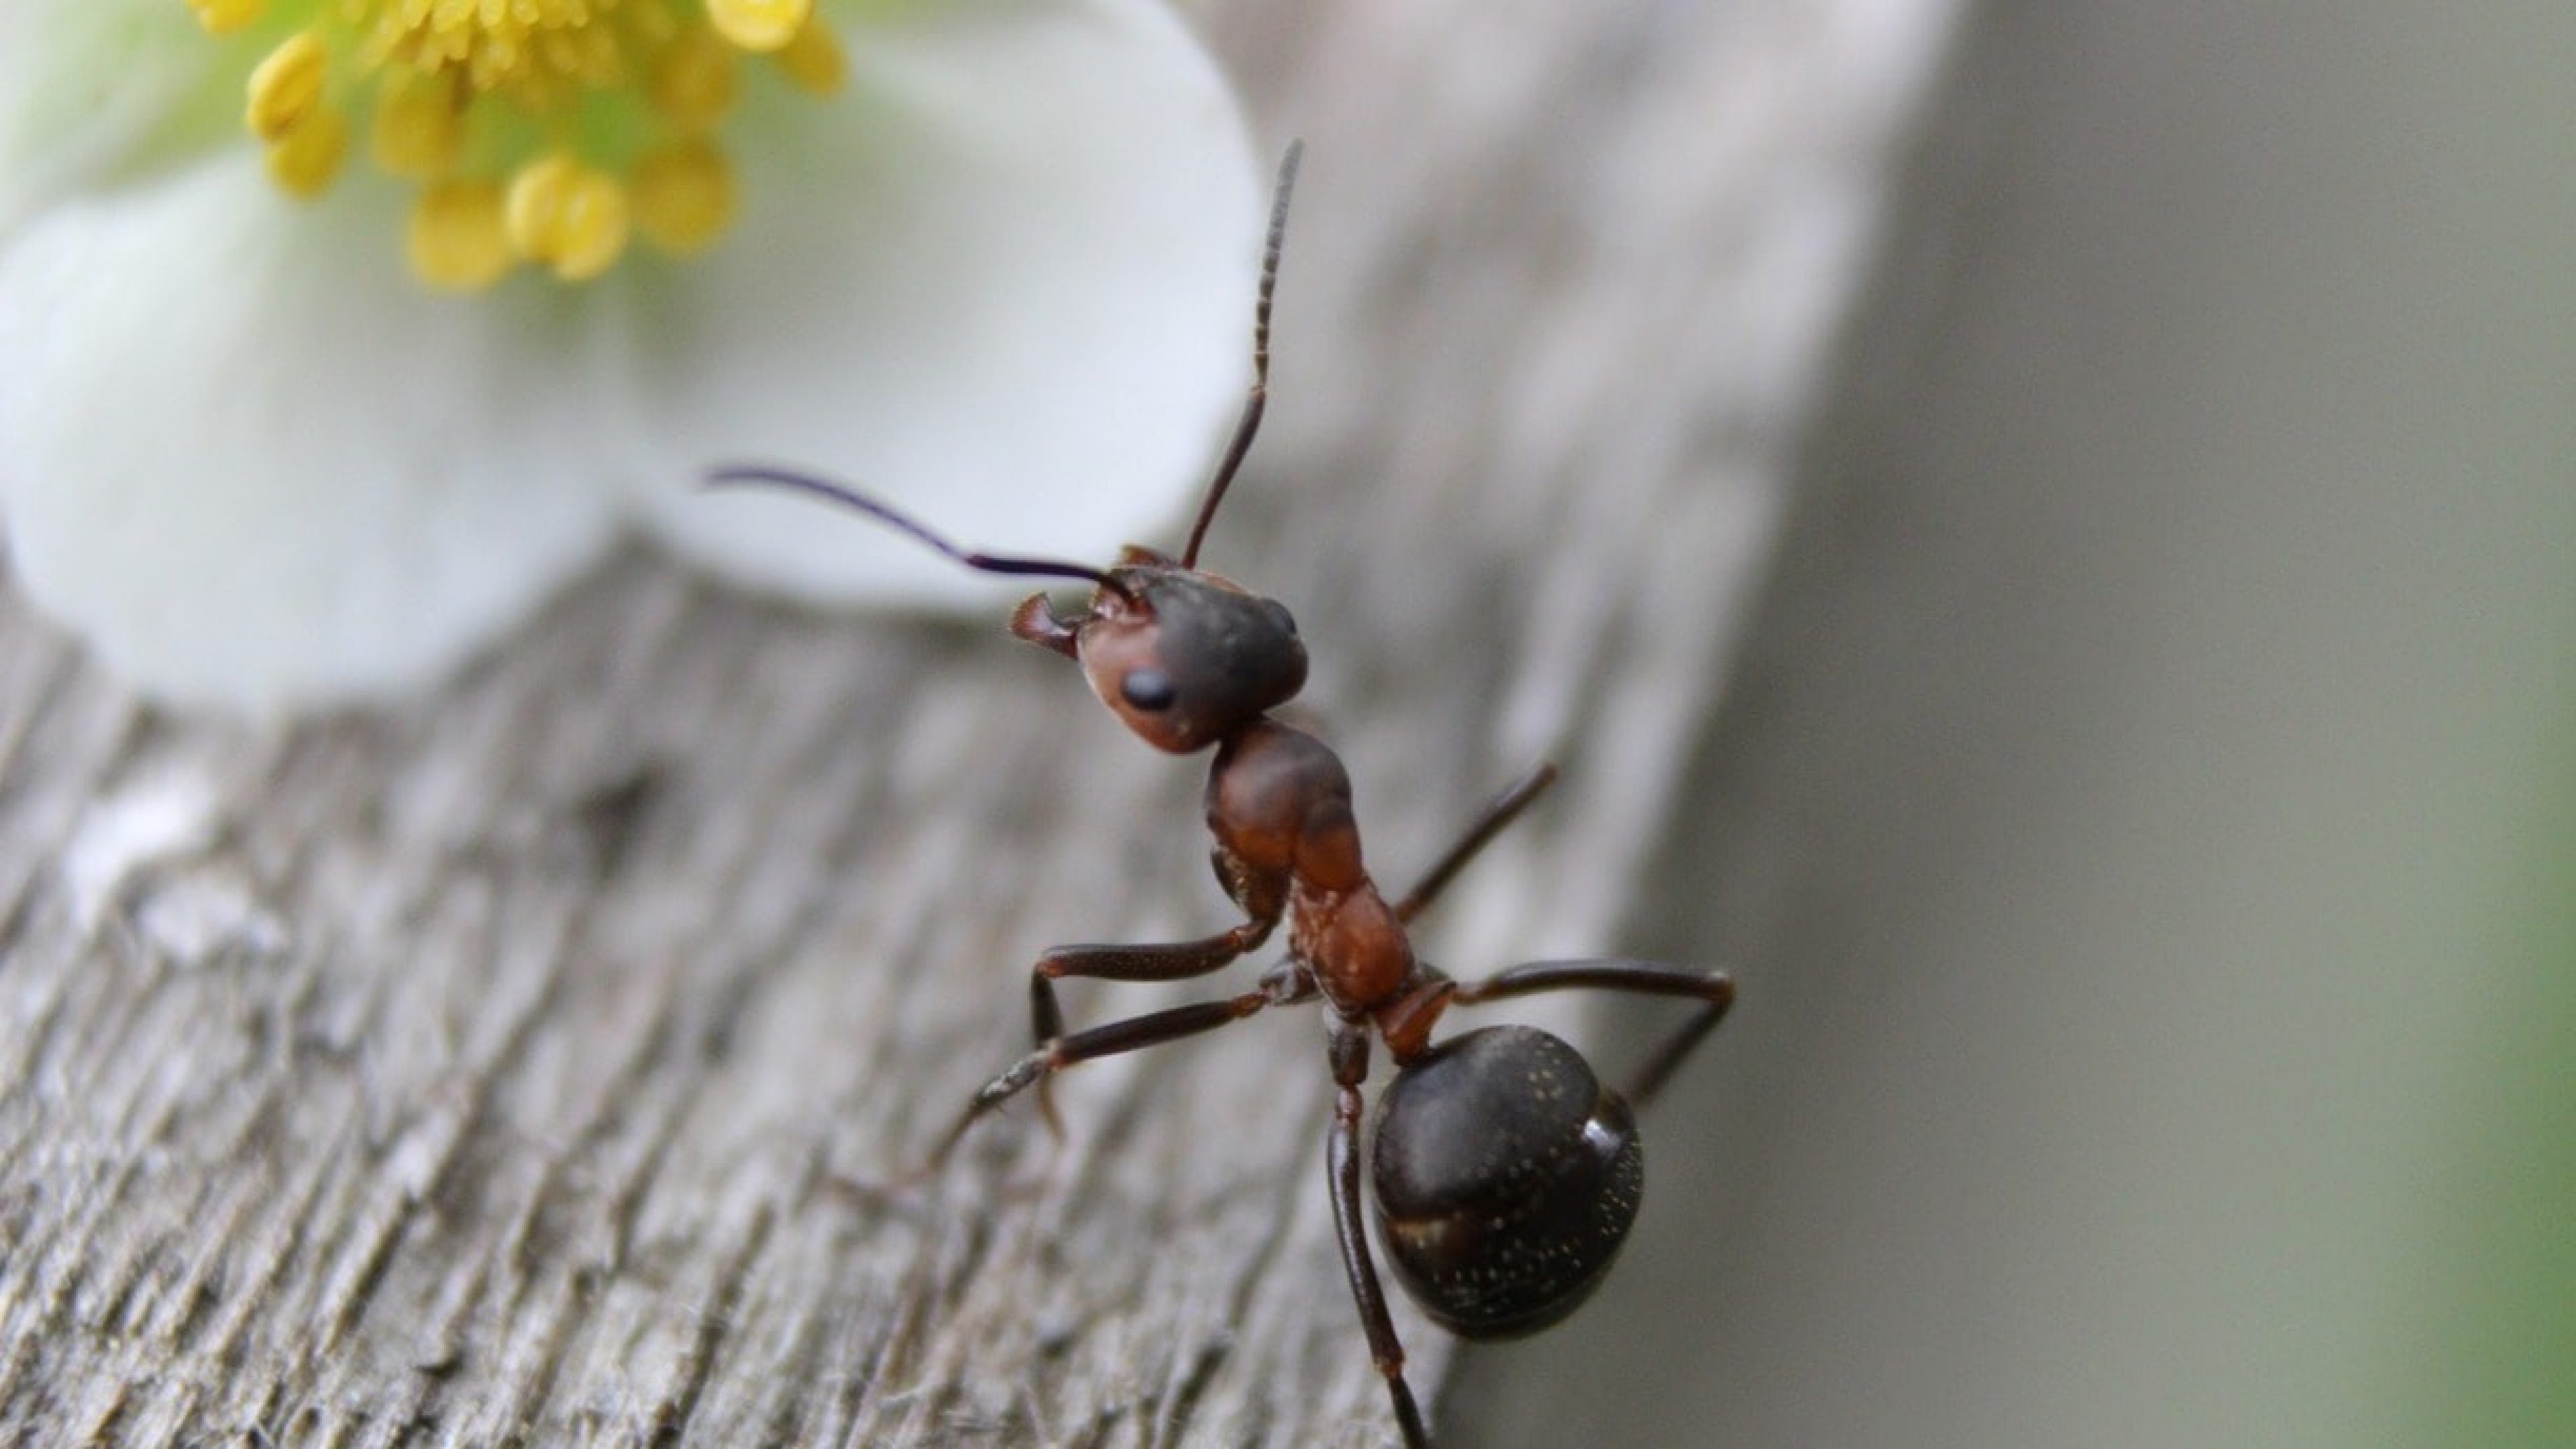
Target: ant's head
pixel 1183 657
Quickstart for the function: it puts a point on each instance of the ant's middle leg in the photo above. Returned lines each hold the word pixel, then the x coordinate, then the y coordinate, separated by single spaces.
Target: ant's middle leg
pixel 1645 978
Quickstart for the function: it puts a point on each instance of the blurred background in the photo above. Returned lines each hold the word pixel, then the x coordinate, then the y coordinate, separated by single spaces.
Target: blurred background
pixel 2141 813
pixel 2145 819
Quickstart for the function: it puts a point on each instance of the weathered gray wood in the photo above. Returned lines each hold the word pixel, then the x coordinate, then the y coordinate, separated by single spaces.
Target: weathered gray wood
pixel 485 1072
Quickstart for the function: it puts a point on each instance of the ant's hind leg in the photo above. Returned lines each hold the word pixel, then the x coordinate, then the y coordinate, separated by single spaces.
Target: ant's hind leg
pixel 1342 1164
pixel 1644 978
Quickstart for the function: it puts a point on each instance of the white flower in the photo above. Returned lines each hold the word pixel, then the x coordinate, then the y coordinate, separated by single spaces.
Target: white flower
pixel 336 334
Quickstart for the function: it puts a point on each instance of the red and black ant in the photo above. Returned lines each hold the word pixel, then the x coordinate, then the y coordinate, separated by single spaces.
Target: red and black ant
pixel 1505 1176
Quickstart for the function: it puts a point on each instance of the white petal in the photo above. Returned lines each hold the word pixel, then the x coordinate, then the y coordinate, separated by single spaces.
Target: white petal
pixel 253 463
pixel 83 84
pixel 1006 281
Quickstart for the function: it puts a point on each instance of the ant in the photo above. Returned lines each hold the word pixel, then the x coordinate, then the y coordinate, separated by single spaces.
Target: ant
pixel 1504 1176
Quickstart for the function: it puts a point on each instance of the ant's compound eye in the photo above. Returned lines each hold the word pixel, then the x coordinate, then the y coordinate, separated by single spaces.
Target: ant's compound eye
pixel 1280 616
pixel 1150 690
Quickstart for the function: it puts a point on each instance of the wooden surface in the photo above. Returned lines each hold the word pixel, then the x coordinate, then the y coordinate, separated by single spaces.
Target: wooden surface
pixel 488 1071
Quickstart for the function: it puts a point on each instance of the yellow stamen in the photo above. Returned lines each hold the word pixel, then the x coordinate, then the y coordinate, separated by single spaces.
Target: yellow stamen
pixel 303 161
pixel 567 216
pixel 592 235
pixel 693 78
pixel 684 197
pixel 458 237
pixel 547 131
pixel 812 58
pixel 225 17
pixel 419 131
pixel 535 200
pixel 762 25
pixel 286 88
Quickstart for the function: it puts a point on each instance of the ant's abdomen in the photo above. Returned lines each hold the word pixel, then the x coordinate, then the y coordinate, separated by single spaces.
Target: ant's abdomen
pixel 1506 1180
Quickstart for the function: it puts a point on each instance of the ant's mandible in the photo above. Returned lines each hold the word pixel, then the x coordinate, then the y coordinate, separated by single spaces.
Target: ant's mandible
pixel 1504 1176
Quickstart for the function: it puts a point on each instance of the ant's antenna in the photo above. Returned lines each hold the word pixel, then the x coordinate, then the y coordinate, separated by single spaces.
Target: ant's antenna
pixel 991 563
pixel 1252 406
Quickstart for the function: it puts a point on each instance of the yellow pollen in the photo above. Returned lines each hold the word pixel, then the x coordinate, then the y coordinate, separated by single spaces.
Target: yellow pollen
pixel 419 130
pixel 303 161
pixel 545 131
pixel 286 88
pixel 307 158
pixel 684 197
pixel 693 79
pixel 759 24
pixel 812 58
pixel 567 216
pixel 225 17
pixel 459 239
pixel 536 47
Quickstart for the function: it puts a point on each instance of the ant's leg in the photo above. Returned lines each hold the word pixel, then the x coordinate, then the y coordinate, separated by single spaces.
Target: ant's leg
pixel 1170 961
pixel 1349 1049
pixel 1173 961
pixel 1152 1029
pixel 1645 978
pixel 1501 811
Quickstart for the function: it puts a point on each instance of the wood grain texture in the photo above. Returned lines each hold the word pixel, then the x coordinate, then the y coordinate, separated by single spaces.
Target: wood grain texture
pixel 494 1071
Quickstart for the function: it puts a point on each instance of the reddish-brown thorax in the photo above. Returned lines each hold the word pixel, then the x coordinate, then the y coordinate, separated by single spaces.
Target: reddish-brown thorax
pixel 1187 659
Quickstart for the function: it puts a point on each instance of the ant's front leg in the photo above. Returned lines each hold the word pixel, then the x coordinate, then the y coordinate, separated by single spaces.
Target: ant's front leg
pixel 1264 898
pixel 1498 813
pixel 1173 961
pixel 1134 1034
